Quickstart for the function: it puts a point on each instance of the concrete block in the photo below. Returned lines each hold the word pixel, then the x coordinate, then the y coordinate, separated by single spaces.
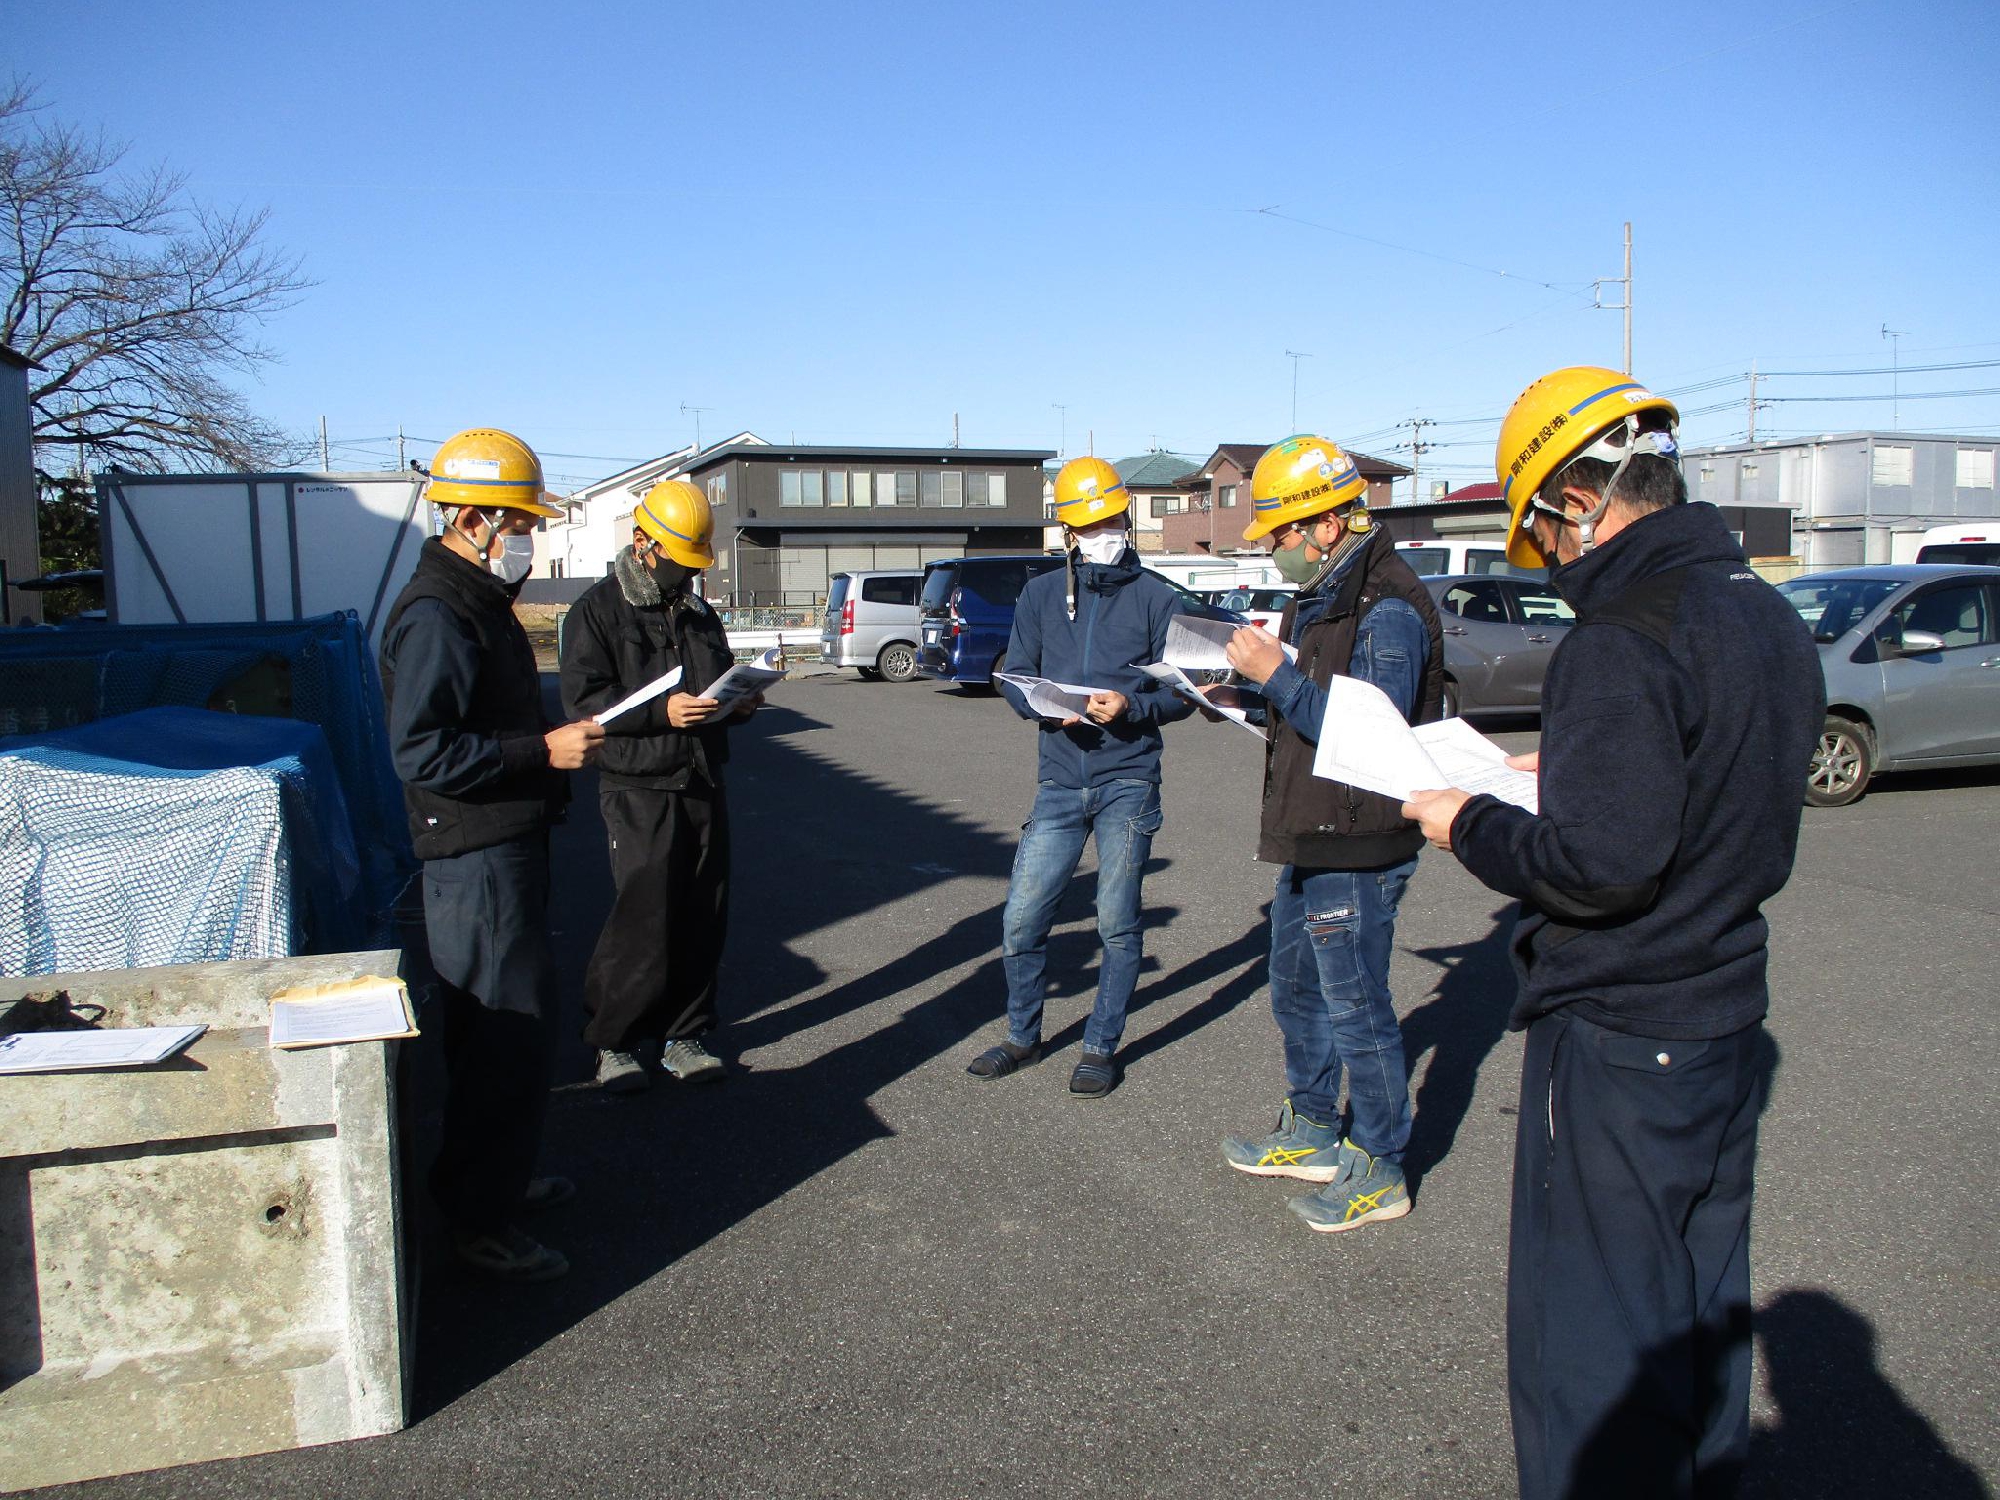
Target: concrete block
pixel 201 1259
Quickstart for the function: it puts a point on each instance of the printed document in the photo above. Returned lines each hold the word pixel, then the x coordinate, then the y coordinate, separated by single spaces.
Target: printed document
pixel 751 677
pixel 87 1051
pixel 1052 700
pixel 367 1009
pixel 1198 645
pixel 1365 742
pixel 665 683
pixel 1183 686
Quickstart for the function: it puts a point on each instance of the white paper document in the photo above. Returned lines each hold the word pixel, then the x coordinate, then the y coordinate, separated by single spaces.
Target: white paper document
pixel 750 677
pixel 1184 686
pixel 1365 742
pixel 1052 700
pixel 87 1051
pixel 1195 644
pixel 368 1009
pixel 666 682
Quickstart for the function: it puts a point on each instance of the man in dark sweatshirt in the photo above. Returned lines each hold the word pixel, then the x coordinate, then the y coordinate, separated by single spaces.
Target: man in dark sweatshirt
pixel 1679 717
pixel 1093 623
pixel 481 782
pixel 649 992
pixel 1344 855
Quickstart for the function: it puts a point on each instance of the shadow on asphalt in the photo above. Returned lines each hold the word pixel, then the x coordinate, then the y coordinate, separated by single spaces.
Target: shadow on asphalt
pixel 659 1175
pixel 1459 1026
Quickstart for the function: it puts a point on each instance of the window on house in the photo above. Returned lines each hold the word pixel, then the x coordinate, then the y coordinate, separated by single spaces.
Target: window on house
pixel 1226 496
pixel 1166 505
pixel 862 486
pixel 1975 468
pixel 954 489
pixel 930 488
pixel 788 487
pixel 836 487
pixel 899 488
pixel 812 487
pixel 1894 466
pixel 987 489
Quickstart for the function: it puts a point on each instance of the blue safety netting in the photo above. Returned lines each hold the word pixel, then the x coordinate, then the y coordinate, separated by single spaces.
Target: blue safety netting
pixel 173 835
pixel 319 672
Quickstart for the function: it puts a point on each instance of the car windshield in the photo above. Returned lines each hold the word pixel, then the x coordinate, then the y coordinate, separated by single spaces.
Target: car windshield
pixel 938 584
pixel 1425 561
pixel 1834 606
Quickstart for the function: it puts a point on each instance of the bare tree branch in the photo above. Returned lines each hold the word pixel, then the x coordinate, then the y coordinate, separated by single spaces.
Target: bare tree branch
pixel 135 300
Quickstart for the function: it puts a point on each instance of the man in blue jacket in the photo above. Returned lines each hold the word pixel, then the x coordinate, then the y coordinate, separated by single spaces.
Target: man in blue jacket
pixel 1679 718
pixel 1094 623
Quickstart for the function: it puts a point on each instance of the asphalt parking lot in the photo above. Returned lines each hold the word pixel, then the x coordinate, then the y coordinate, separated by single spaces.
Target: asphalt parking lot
pixel 853 1270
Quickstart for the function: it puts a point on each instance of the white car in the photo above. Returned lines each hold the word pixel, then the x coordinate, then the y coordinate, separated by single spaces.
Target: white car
pixel 1260 606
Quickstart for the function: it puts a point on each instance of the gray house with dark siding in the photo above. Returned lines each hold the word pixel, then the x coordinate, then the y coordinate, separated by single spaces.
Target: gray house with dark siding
pixel 20 538
pixel 787 518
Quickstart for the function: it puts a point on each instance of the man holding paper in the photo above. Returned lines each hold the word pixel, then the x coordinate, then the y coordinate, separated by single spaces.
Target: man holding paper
pixel 482 783
pixel 649 992
pixel 1090 627
pixel 1678 720
pixel 1344 853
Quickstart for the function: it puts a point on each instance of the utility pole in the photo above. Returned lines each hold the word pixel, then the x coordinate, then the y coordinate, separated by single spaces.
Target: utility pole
pixel 954 429
pixel 1295 357
pixel 325 466
pixel 1753 401
pixel 1062 445
pixel 696 412
pixel 1625 305
pixel 401 462
pixel 1895 336
pixel 1418 448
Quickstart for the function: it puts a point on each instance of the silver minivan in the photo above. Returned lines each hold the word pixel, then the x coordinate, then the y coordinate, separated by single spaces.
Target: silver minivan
pixel 871 623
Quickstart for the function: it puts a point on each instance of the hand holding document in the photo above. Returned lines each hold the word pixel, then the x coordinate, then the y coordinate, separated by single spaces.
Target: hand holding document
pixel 1061 701
pixel 1195 644
pixel 750 677
pixel 1365 742
pixel 367 1009
pixel 88 1051
pixel 1183 686
pixel 665 683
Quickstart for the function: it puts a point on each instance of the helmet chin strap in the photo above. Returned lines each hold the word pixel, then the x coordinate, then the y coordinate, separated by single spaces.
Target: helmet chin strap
pixel 1352 539
pixel 1661 444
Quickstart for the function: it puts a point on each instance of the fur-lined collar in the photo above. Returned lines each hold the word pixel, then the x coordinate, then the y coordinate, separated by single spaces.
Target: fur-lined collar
pixel 635 580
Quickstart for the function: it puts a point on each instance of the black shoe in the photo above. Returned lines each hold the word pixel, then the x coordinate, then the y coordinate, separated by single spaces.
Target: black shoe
pixel 1096 1075
pixel 998 1062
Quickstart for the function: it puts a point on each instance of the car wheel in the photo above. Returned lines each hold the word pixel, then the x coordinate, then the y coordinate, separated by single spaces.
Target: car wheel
pixel 1450 700
pixel 897 662
pixel 869 674
pixel 1842 762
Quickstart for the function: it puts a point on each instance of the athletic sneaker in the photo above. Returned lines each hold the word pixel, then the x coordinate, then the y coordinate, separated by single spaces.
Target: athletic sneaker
pixel 622 1073
pixel 690 1062
pixel 1370 1189
pixel 1300 1147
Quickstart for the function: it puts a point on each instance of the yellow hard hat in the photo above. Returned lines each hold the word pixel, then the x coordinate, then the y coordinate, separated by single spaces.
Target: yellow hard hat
pixel 487 467
pixel 1554 421
pixel 1089 490
pixel 1302 476
pixel 675 514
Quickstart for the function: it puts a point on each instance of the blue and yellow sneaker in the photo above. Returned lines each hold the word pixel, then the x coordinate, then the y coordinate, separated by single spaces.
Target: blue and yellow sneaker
pixel 1299 1147
pixel 1370 1189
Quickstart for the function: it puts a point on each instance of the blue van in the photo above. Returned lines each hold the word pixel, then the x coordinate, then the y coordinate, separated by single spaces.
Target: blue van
pixel 965 612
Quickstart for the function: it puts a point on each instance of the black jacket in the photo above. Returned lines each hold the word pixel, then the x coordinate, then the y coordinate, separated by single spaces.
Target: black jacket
pixel 465 710
pixel 1308 820
pixel 620 636
pixel 1679 718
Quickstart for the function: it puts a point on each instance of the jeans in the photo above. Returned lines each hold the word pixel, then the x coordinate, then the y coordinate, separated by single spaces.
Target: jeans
pixel 1331 935
pixel 1124 816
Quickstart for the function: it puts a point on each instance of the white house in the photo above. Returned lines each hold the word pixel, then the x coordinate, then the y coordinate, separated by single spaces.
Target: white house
pixel 599 522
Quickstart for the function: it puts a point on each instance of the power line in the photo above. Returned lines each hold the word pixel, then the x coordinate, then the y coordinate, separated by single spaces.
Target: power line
pixel 1450 260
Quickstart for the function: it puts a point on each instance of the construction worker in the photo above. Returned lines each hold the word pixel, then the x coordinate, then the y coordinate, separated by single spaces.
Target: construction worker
pixel 1344 855
pixel 649 992
pixel 481 781
pixel 1679 717
pixel 1093 623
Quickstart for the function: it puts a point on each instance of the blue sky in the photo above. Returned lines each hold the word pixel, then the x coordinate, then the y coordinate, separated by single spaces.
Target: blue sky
pixel 845 224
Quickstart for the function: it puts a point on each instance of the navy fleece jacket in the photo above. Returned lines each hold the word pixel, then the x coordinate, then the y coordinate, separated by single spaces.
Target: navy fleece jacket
pixel 1679 718
pixel 1121 625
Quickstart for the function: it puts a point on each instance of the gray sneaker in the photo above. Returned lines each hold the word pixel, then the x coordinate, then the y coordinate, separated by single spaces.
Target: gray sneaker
pixel 622 1073
pixel 1296 1147
pixel 1368 1190
pixel 690 1062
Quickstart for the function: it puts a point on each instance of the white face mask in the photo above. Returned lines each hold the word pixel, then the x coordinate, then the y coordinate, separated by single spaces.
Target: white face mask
pixel 1101 546
pixel 511 563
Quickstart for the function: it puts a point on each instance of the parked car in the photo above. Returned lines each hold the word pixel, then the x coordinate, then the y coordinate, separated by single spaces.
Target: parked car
pixel 1961 545
pixel 1911 655
pixel 1260 606
pixel 871 623
pixel 966 607
pixel 1439 557
pixel 1499 633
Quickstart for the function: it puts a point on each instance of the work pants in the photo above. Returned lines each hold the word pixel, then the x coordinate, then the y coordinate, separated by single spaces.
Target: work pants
pixel 1628 1284
pixel 652 975
pixel 486 921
